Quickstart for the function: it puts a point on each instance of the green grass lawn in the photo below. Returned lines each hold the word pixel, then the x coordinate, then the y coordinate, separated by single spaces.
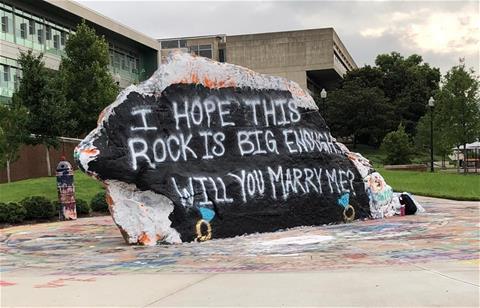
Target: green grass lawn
pixel 85 188
pixel 438 184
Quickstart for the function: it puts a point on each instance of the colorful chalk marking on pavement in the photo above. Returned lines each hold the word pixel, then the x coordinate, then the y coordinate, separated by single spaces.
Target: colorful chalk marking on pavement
pixel 448 231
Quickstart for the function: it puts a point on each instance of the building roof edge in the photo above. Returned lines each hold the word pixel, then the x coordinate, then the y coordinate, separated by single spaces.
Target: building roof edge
pixel 104 21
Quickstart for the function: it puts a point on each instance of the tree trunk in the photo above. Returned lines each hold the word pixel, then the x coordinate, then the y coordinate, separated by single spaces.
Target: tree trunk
pixel 49 168
pixel 465 164
pixel 443 161
pixel 8 171
pixel 458 160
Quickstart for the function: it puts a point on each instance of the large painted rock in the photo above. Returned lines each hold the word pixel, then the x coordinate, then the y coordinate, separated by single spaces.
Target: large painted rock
pixel 207 150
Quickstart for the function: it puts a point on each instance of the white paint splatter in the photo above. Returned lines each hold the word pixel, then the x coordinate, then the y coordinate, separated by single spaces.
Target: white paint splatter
pixel 298 240
pixel 142 215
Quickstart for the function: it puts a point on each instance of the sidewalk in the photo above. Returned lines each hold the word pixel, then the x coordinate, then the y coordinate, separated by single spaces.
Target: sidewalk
pixel 424 260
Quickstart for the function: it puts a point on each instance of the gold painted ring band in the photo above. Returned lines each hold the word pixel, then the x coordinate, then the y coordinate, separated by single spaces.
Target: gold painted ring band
pixel 346 217
pixel 200 236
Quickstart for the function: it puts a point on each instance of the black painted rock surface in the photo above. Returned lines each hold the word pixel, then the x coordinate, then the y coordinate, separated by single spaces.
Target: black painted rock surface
pixel 208 150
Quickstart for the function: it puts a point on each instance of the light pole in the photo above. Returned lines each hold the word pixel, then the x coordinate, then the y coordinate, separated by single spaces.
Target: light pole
pixel 431 104
pixel 323 95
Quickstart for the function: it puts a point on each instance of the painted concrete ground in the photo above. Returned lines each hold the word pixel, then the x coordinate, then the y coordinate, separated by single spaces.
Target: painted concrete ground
pixel 89 247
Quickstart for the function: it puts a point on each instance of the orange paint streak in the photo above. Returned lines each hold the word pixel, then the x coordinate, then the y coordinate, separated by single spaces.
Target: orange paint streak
pixel 144 239
pixel 207 82
pixel 109 200
pixel 101 116
pixel 194 78
pixel 91 151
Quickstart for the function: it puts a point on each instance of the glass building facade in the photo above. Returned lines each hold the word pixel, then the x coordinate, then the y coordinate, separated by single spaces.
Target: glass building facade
pixel 204 50
pixel 34 32
pixel 10 75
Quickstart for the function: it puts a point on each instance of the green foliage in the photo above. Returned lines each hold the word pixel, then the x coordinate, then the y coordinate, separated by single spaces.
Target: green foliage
pixel 38 207
pixel 359 109
pixel 408 83
pixel 456 115
pixel 40 94
pixel 442 145
pixel 458 106
pixel 87 83
pixel 13 131
pixel 397 147
pixel 57 205
pixel 371 101
pixel 83 208
pixel 12 212
pixel 99 204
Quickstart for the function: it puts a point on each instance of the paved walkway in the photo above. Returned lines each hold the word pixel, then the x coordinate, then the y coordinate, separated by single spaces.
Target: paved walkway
pixel 423 260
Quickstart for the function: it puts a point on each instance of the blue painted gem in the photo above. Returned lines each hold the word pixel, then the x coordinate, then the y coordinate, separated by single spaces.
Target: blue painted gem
pixel 344 199
pixel 207 214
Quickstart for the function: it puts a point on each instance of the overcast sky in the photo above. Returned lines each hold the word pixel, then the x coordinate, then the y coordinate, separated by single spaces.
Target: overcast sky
pixel 440 31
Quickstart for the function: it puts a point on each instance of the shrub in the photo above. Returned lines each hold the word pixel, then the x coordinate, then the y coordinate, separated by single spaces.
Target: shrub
pixel 83 208
pixel 397 147
pixel 38 207
pixel 57 206
pixel 98 203
pixel 12 212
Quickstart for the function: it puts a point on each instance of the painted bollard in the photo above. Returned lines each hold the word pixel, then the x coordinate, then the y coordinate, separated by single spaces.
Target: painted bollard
pixel 66 191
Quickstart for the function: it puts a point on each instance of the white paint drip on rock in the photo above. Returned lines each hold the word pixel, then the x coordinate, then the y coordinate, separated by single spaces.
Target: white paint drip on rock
pixel 143 215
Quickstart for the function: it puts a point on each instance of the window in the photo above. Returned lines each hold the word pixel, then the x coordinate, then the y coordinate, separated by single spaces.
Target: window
pixel 194 49
pixel 202 50
pixel 4 24
pixel 63 38
pixel 221 55
pixel 131 62
pixel 1 76
pixel 124 63
pixel 205 53
pixel 56 41
pixel 31 27
pixel 17 79
pixel 170 44
pixel 40 36
pixel 116 59
pixel 174 44
pixel 48 33
pixel 6 73
pixel 23 30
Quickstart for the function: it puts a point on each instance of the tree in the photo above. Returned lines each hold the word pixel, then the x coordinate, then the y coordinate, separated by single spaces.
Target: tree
pixel 44 102
pixel 87 82
pixel 359 109
pixel 13 133
pixel 397 147
pixel 457 107
pixel 407 83
pixel 442 144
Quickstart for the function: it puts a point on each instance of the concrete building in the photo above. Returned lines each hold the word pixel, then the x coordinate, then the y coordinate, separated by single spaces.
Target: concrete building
pixel 45 25
pixel 314 58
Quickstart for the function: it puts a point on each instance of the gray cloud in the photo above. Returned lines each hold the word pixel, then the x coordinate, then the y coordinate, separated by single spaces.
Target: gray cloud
pixel 367 29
